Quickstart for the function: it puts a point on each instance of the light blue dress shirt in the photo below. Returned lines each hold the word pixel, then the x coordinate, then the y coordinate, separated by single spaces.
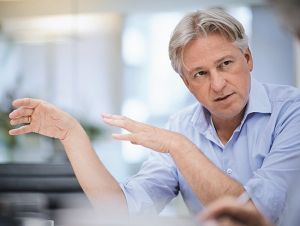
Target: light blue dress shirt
pixel 263 154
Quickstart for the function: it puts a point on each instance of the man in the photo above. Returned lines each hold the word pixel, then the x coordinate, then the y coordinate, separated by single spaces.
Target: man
pixel 228 211
pixel 240 136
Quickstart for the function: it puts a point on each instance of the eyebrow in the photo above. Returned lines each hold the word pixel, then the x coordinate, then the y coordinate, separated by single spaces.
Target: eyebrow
pixel 193 70
pixel 223 58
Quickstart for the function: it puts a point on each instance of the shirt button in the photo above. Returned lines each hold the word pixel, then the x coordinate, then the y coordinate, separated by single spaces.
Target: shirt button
pixel 229 171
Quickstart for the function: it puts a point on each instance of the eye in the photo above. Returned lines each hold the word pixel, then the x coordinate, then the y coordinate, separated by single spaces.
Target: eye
pixel 200 74
pixel 226 63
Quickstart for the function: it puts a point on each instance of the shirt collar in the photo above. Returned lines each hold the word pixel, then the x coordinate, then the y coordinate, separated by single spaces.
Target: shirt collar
pixel 201 118
pixel 258 99
pixel 258 102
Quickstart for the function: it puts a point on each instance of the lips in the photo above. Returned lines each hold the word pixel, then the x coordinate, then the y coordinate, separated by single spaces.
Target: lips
pixel 223 97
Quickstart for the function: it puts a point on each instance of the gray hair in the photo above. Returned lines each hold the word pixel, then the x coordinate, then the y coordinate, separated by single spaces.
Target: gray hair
pixel 203 23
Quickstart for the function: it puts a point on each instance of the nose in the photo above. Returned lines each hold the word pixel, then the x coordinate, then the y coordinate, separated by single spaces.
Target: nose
pixel 217 81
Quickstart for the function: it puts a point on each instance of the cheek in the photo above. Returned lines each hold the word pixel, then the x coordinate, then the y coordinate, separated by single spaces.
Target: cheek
pixel 240 76
pixel 240 68
pixel 244 86
pixel 202 94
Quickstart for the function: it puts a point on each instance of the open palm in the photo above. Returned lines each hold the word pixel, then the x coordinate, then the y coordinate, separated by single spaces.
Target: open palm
pixel 160 140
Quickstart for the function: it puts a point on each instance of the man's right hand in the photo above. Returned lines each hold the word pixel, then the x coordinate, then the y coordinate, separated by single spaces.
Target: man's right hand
pixel 228 211
pixel 40 117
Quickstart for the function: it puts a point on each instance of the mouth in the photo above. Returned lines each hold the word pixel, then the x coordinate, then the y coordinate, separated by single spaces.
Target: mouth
pixel 223 97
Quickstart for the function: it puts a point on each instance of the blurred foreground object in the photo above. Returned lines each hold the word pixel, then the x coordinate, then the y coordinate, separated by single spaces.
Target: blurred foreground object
pixel 30 193
pixel 288 12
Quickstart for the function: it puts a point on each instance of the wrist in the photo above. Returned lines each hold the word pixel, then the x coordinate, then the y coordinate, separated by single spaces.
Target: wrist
pixel 72 133
pixel 180 145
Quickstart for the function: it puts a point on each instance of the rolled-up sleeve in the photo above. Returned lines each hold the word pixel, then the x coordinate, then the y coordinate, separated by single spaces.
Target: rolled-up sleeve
pixel 267 196
pixel 269 185
pixel 138 200
pixel 155 185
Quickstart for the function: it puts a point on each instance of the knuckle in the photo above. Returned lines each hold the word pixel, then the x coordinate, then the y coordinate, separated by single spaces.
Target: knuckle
pixel 133 139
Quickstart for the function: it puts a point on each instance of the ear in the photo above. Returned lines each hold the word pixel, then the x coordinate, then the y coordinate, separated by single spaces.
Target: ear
pixel 248 57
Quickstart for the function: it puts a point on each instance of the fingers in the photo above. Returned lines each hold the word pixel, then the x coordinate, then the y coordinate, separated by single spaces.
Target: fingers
pixel 20 130
pixel 227 221
pixel 121 122
pixel 118 136
pixel 124 123
pixel 114 120
pixel 227 205
pixel 124 137
pixel 210 223
pixel 21 112
pixel 111 116
pixel 229 208
pixel 26 102
pixel 21 120
pixel 22 115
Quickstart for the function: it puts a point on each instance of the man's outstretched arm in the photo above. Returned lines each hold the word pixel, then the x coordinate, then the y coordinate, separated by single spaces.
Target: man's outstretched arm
pixel 37 116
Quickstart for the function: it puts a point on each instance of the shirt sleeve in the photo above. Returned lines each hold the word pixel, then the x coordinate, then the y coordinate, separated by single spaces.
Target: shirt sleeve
pixel 269 185
pixel 155 185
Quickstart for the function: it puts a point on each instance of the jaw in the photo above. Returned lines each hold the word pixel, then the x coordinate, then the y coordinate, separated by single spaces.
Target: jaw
pixel 231 109
pixel 228 118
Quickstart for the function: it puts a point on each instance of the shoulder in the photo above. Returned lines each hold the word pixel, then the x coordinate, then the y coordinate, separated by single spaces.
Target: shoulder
pixel 282 93
pixel 185 118
pixel 285 103
pixel 186 113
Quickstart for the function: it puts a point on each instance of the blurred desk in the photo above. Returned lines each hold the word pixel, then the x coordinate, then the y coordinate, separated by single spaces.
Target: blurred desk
pixel 92 218
pixel 40 193
pixel 32 192
pixel 16 177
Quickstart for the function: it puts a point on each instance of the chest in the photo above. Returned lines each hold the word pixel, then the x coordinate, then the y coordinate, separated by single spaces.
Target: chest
pixel 245 151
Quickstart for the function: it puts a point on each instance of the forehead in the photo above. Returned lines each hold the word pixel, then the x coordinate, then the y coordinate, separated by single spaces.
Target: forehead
pixel 206 50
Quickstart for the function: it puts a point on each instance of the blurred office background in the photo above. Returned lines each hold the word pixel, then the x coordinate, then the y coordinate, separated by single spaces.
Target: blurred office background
pixel 94 56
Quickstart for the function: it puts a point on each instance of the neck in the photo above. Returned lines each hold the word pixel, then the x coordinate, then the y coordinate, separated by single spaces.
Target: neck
pixel 226 127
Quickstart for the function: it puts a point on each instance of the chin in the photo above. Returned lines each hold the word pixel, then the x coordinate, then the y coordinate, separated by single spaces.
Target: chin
pixel 229 115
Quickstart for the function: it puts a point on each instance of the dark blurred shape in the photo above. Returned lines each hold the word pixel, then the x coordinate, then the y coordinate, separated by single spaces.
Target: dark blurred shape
pixel 288 12
pixel 8 221
pixel 38 178
pixel 35 191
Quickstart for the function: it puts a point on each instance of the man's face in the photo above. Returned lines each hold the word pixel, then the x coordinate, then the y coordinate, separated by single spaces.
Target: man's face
pixel 217 73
